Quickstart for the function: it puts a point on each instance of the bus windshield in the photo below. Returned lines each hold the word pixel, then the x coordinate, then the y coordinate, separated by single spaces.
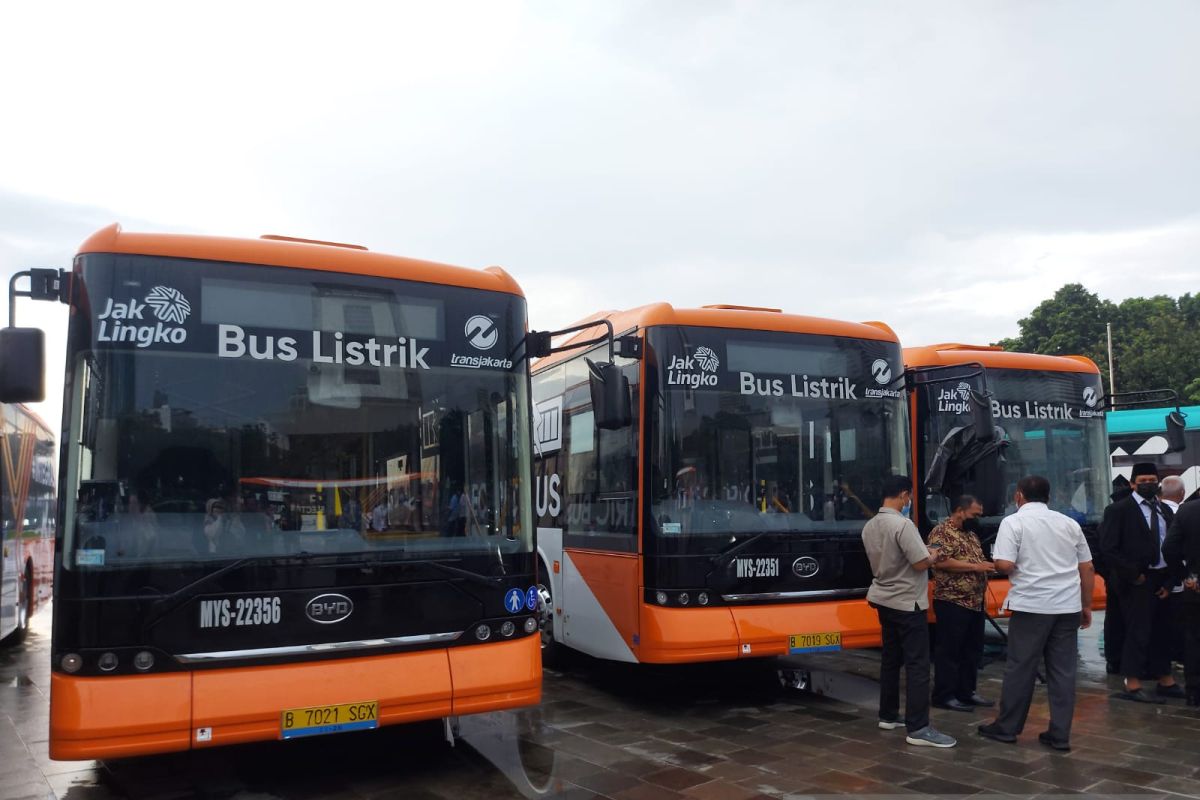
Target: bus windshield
pixel 1054 428
pixel 764 431
pixel 225 411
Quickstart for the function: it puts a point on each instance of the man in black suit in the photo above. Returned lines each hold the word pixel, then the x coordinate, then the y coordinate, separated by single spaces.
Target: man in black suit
pixel 1131 537
pixel 1114 622
pixel 1182 551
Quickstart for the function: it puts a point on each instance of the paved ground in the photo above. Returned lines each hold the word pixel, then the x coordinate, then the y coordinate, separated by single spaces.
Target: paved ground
pixel 716 733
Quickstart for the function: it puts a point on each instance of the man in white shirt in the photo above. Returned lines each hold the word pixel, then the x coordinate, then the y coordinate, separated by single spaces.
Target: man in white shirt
pixel 1049 565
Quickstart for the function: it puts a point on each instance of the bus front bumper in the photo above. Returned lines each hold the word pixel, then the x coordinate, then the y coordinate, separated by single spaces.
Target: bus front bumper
pixel 718 633
pixel 132 715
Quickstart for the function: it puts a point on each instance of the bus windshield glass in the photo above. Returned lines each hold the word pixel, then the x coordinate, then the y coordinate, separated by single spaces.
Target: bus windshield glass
pixel 764 431
pixel 225 411
pixel 1054 428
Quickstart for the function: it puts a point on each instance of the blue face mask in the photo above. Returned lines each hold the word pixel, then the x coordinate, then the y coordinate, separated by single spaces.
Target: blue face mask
pixel 907 508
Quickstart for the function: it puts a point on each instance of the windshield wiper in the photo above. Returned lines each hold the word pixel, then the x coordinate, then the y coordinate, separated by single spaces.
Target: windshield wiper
pixel 459 572
pixel 165 605
pixel 725 555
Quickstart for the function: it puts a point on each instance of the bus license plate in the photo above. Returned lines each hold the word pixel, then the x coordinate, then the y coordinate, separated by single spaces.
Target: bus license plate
pixel 296 722
pixel 814 642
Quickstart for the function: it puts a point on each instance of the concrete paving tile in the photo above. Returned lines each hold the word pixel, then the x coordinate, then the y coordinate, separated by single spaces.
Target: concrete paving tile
pixel 646 791
pixel 719 790
pixel 677 778
pixel 1116 787
pixel 933 785
pixel 606 781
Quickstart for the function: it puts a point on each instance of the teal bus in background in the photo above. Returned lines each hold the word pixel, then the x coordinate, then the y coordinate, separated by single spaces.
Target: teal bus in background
pixel 1141 435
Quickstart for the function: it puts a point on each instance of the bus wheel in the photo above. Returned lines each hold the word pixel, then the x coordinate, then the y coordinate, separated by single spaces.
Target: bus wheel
pixel 24 593
pixel 550 648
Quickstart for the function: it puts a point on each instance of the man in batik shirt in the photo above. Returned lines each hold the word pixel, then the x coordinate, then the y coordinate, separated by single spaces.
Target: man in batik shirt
pixel 959 586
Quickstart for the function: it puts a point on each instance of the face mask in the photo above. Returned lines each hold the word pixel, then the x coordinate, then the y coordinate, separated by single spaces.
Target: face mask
pixel 1148 489
pixel 907 509
pixel 971 525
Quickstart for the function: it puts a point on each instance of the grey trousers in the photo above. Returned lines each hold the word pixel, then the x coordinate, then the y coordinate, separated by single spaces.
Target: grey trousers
pixel 1032 637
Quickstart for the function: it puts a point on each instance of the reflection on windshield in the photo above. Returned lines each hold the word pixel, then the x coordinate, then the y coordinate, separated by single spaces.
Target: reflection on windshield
pixel 737 453
pixel 1051 431
pixel 186 456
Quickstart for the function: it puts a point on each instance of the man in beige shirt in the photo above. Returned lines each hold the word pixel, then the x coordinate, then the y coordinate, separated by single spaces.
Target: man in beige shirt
pixel 899 593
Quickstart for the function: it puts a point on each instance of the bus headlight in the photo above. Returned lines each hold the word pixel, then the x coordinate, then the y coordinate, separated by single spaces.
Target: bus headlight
pixel 661 597
pixel 507 628
pixel 72 662
pixel 702 598
pixel 483 632
pixel 530 625
pixel 107 662
pixel 683 598
pixel 143 660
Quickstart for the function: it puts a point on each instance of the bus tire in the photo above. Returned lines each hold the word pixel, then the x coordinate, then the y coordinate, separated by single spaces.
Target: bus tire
pixel 24 608
pixel 552 651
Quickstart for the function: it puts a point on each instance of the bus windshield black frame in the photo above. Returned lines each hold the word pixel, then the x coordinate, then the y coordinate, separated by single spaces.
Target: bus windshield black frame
pixel 220 411
pixel 767 432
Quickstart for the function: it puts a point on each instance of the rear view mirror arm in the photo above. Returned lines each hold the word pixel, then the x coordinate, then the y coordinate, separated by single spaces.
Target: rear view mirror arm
pixel 44 284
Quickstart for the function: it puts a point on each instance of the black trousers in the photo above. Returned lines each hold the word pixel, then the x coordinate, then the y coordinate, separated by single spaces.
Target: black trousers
pixel 957 651
pixel 1032 637
pixel 905 642
pixel 1191 641
pixel 1147 648
pixel 1114 623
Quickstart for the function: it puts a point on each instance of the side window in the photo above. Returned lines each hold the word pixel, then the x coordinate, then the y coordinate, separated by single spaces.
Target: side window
pixel 589 476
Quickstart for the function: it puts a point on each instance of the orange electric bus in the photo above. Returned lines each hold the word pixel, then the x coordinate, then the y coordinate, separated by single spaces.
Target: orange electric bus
pixel 721 518
pixel 1048 416
pixel 235 413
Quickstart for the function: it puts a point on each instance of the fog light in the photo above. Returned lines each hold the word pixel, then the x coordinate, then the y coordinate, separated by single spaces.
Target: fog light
pixel 483 632
pixel 683 598
pixel 702 598
pixel 72 662
pixel 530 625
pixel 661 597
pixel 507 629
pixel 107 662
pixel 143 660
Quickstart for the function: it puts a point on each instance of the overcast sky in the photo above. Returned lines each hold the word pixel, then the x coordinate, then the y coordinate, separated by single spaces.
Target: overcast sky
pixel 939 166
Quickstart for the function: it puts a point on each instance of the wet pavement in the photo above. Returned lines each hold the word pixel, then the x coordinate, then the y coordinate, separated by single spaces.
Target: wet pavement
pixel 719 732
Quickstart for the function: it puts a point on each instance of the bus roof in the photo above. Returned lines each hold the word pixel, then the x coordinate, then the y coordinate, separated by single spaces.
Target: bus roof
pixel 281 251
pixel 939 355
pixel 720 316
pixel 1150 420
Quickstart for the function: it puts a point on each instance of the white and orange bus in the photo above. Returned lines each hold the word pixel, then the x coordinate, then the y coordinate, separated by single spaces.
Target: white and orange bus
pixel 230 406
pixel 1049 418
pixel 723 520
pixel 27 511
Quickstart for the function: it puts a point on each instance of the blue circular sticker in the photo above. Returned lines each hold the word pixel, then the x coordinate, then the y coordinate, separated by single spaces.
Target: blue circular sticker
pixel 531 598
pixel 514 601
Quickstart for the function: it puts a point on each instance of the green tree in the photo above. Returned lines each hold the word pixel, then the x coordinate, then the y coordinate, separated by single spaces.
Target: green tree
pixel 1156 340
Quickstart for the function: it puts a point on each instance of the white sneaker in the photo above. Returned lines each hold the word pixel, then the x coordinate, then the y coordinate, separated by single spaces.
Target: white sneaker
pixel 928 737
pixel 890 725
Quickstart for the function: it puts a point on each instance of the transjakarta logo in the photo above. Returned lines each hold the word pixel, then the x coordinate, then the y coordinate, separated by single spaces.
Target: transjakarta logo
pixel 881 370
pixel 698 369
pixel 1089 397
pixel 481 332
pixel 127 322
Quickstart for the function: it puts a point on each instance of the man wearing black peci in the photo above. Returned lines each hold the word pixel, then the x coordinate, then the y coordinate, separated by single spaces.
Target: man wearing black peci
pixel 1131 537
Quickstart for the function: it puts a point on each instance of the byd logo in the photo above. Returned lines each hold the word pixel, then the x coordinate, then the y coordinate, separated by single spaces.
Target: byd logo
pixel 805 567
pixel 327 609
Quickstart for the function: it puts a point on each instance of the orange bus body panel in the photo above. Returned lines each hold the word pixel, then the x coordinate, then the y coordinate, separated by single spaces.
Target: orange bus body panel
pixel 90 717
pixel 491 677
pixel 939 355
pixel 296 254
pixel 685 635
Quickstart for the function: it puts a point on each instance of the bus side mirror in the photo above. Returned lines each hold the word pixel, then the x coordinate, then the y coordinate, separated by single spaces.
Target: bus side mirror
pixel 22 365
pixel 981 416
pixel 610 396
pixel 1176 424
